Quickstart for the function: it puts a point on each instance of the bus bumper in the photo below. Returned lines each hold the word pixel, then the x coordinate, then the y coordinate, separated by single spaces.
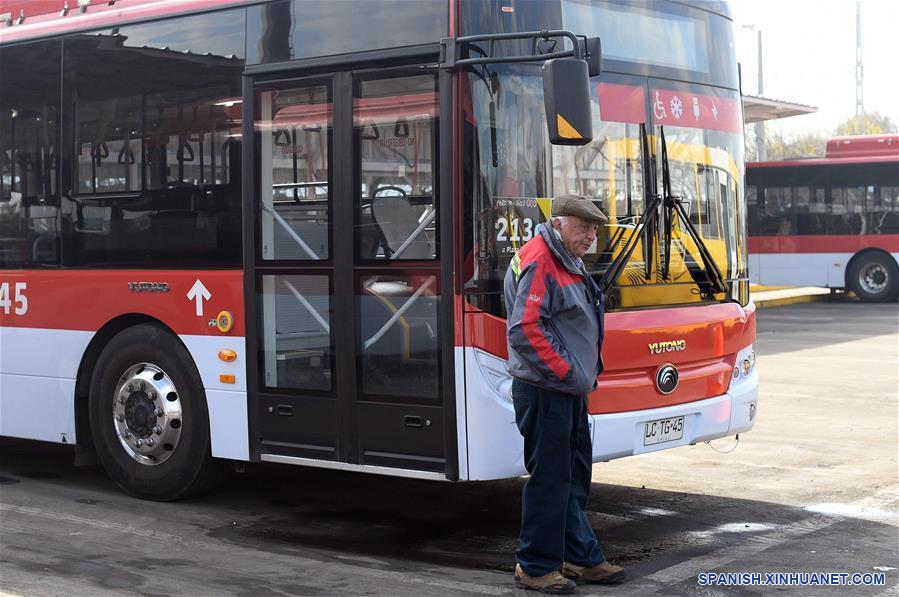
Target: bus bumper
pixel 624 434
pixel 490 446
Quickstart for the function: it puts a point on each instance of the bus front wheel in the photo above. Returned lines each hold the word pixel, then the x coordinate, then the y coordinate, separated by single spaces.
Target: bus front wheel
pixel 148 415
pixel 874 277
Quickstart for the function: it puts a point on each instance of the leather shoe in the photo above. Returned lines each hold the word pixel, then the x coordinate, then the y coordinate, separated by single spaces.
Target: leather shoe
pixel 603 573
pixel 553 583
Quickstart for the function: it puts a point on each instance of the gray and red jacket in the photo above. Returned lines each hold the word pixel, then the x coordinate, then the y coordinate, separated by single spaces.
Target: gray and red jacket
pixel 555 317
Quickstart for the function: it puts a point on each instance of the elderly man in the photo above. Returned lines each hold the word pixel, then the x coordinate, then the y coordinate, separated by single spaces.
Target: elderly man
pixel 555 329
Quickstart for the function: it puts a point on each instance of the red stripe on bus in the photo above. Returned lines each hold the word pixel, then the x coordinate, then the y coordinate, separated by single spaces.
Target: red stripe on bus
pixel 621 103
pixel 86 300
pixel 696 110
pixel 819 243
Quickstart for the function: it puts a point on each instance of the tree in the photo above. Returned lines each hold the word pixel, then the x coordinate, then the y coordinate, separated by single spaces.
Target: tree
pixel 871 123
pixel 803 145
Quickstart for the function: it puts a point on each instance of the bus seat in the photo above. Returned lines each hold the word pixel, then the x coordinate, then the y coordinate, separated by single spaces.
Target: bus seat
pixel 397 220
pixel 43 249
pixel 784 228
pixel 369 235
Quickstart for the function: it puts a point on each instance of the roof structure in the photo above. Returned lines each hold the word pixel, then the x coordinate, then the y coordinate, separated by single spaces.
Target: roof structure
pixel 760 109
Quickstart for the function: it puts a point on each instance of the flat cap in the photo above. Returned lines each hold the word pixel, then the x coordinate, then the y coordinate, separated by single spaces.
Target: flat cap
pixel 577 205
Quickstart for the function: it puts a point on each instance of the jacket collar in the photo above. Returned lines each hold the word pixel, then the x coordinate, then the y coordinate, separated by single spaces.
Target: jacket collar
pixel 555 245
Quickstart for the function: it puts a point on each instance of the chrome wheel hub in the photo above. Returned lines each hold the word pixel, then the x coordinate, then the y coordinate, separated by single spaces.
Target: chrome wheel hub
pixel 146 412
pixel 873 278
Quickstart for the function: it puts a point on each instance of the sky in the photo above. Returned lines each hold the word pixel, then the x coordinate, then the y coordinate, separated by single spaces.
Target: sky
pixel 808 57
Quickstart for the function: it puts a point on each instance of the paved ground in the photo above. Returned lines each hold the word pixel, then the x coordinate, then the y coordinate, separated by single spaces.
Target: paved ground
pixel 813 488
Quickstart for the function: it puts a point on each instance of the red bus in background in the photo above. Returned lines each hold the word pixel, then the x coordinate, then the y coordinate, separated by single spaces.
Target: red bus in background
pixel 831 221
pixel 277 231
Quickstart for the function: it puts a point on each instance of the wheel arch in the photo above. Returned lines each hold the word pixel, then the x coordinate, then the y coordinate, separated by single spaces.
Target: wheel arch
pixel 89 362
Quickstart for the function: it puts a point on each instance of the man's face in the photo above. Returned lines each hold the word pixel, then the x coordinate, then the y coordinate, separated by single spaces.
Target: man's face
pixel 577 234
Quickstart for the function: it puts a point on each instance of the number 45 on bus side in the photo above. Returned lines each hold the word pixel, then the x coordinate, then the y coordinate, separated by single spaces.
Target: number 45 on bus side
pixel 21 301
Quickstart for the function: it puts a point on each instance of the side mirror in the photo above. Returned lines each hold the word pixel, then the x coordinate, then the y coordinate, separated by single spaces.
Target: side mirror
pixel 566 96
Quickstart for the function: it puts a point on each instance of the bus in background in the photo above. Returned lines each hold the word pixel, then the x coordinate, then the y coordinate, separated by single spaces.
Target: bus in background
pixel 277 231
pixel 831 221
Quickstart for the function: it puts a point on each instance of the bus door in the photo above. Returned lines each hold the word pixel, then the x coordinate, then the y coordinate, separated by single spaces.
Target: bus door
pixel 346 270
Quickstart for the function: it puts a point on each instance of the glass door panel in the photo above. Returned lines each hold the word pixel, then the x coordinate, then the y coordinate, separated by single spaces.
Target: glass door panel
pixel 399 352
pixel 295 127
pixel 296 333
pixel 395 127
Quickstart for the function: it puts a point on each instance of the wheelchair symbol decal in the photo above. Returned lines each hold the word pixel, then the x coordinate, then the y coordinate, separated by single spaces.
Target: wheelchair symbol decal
pixel 658 108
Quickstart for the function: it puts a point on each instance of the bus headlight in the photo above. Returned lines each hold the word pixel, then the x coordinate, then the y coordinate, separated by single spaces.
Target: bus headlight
pixel 493 370
pixel 745 363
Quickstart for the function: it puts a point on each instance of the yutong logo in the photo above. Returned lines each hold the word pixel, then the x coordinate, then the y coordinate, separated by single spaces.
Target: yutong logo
pixel 148 286
pixel 667 378
pixel 670 346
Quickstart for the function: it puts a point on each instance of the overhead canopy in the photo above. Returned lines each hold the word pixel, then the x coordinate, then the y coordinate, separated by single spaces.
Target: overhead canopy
pixel 760 109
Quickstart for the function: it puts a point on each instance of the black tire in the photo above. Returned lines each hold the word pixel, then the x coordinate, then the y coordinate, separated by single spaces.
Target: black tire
pixel 180 463
pixel 874 277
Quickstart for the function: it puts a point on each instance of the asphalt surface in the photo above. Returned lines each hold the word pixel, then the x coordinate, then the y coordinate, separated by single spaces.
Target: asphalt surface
pixel 813 488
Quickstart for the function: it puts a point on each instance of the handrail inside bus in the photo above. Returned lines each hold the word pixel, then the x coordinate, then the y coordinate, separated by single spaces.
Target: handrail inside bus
pixel 293 234
pixel 399 313
pixel 424 223
pixel 299 296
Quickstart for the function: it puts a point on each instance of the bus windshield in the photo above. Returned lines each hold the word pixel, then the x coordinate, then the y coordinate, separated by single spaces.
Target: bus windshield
pixel 513 173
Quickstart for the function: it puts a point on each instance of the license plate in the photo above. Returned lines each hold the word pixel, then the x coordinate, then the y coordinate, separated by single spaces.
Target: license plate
pixel 663 430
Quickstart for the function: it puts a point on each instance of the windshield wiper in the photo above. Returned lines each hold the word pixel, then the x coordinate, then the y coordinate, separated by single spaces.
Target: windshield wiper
pixel 645 230
pixel 674 204
pixel 645 227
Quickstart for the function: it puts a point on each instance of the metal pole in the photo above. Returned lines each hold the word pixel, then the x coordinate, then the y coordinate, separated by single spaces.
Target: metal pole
pixel 859 69
pixel 760 126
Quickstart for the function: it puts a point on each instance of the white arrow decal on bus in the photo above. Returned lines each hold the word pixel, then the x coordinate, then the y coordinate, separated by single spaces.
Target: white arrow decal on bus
pixel 199 293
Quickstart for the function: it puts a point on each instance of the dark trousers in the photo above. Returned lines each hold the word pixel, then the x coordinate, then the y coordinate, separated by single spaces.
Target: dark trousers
pixel 558 455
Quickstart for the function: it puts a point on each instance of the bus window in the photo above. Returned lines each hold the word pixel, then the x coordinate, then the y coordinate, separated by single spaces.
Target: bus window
pixel 883 210
pixel 157 143
pixel 186 136
pixel 844 214
pixel 394 120
pixel 777 211
pixel 295 132
pixel 108 156
pixel 29 142
pixel 810 204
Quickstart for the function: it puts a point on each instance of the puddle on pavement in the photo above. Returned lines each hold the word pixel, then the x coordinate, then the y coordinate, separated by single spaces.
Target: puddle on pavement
pixel 483 542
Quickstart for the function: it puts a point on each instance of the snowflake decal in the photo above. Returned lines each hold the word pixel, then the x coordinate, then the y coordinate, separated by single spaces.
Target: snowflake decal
pixel 677 107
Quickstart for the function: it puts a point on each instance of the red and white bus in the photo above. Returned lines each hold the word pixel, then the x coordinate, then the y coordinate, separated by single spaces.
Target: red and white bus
pixel 277 231
pixel 831 221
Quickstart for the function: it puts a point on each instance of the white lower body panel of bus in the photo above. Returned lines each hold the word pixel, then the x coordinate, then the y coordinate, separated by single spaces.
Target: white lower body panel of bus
pixel 38 371
pixel 827 270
